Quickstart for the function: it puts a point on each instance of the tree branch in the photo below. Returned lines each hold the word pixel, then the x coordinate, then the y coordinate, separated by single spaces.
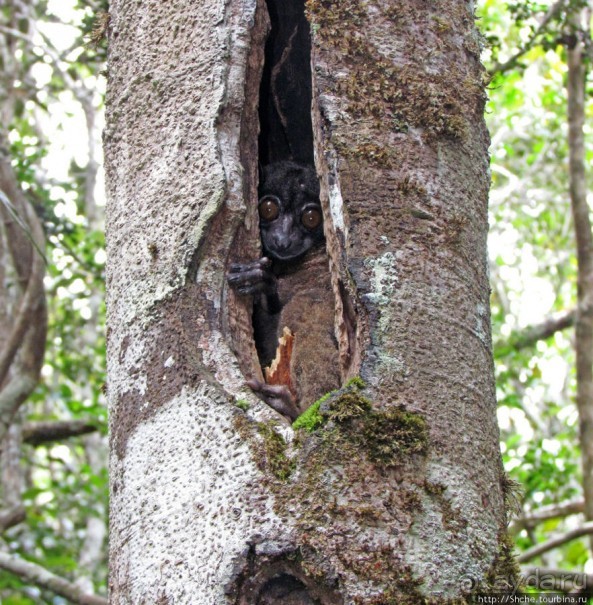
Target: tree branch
pixel 532 334
pixel 11 477
pixel 91 551
pixel 36 433
pixel 45 579
pixel 501 68
pixel 24 319
pixel 24 328
pixel 11 517
pixel 548 512
pixel 585 530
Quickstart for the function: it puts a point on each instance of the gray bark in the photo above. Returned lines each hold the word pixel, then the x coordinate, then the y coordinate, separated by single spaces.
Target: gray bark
pixel 577 73
pixel 398 497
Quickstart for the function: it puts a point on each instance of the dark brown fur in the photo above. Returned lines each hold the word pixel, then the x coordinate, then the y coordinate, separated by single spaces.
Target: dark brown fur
pixel 308 312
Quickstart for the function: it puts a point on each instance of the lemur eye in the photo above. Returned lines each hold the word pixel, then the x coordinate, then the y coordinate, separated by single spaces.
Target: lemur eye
pixel 311 218
pixel 269 208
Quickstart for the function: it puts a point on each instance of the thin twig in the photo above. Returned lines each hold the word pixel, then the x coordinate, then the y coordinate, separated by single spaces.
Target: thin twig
pixel 532 334
pixel 585 530
pixel 24 317
pixel 545 513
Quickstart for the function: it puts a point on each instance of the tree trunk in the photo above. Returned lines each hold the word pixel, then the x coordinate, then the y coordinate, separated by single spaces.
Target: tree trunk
pixel 23 313
pixel 395 494
pixel 576 79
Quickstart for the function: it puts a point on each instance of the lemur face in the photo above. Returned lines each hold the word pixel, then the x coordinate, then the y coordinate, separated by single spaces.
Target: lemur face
pixel 290 217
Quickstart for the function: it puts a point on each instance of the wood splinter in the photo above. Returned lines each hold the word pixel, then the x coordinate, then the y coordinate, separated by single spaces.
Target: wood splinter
pixel 278 372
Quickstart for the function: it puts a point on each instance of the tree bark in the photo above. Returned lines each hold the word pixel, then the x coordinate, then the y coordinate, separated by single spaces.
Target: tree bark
pixel 23 313
pixel 584 243
pixel 397 495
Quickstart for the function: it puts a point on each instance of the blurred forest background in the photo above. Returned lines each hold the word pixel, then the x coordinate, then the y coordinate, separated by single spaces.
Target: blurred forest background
pixel 53 476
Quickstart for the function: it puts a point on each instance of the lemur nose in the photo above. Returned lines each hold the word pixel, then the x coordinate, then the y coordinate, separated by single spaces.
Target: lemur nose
pixel 282 243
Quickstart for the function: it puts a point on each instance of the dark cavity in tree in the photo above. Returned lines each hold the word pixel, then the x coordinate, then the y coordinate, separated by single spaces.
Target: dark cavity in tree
pixel 293 301
pixel 285 590
pixel 280 581
pixel 286 131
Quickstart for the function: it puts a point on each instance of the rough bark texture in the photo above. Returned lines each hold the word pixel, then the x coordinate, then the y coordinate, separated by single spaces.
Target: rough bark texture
pixel 400 130
pixel 397 493
pixel 187 498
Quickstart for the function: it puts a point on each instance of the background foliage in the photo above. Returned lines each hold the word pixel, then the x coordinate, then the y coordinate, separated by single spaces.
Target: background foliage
pixel 53 93
pixel 533 261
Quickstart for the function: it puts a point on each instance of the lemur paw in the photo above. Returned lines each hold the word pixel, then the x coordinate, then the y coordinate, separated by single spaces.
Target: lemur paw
pixel 255 277
pixel 277 396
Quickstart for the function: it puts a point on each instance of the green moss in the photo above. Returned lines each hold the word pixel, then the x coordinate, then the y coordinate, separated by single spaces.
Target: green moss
pixel 334 466
pixel 276 460
pixel 313 417
pixel 341 451
pixel 310 419
pixel 348 406
pixel 347 402
pixel 242 404
pixel 513 494
pixel 394 434
pixel 355 381
pixel 504 572
pixel 387 436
